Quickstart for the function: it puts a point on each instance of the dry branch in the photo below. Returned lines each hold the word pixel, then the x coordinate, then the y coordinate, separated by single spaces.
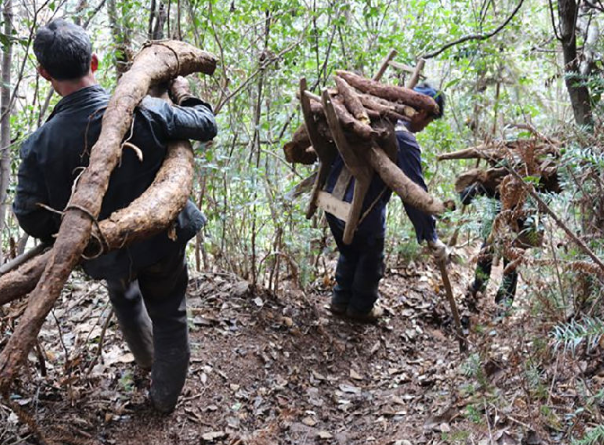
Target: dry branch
pixel 395 179
pixel 478 152
pixel 490 178
pixel 322 145
pixel 416 73
pixel 158 62
pixel 298 150
pixel 390 92
pixel 21 259
pixel 352 101
pixel 384 65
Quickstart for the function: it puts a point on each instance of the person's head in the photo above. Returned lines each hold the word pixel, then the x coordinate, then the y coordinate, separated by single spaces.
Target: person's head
pixel 64 52
pixel 423 118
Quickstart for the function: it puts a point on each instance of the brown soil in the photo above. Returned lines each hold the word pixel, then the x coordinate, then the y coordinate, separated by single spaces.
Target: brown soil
pixel 280 369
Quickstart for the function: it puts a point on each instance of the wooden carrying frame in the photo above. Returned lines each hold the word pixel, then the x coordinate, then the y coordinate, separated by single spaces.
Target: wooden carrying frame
pixel 356 166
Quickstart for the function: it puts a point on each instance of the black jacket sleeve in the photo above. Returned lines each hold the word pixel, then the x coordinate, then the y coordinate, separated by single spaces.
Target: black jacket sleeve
pixel 31 190
pixel 193 120
pixel 468 194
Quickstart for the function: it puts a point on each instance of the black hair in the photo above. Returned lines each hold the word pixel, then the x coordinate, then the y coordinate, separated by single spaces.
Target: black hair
pixel 440 99
pixel 437 95
pixel 63 49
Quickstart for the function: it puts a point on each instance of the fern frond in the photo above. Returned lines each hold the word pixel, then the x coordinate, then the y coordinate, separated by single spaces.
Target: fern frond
pixel 570 335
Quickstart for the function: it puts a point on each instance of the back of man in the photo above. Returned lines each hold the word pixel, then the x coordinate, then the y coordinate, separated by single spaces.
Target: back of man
pixel 147 281
pixel 54 156
pixel 360 264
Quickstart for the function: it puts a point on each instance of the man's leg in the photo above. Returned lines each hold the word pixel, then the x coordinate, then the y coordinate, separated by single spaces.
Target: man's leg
pixel 345 269
pixel 483 269
pixel 509 282
pixel 133 319
pixel 163 287
pixel 369 272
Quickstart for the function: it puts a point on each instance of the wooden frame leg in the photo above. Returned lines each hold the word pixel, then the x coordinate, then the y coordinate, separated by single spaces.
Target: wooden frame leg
pixel 360 190
pixel 325 152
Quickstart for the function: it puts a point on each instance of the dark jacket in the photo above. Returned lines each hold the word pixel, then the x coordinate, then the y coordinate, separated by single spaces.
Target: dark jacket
pixel 374 222
pixel 53 156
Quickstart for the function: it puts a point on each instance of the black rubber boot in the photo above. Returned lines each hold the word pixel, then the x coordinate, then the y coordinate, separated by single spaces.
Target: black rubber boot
pixel 167 380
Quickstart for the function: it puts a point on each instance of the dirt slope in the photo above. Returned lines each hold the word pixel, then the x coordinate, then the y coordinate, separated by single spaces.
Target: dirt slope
pixel 281 369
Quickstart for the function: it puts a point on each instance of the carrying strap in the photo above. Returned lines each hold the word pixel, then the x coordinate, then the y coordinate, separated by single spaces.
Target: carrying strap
pixel 373 204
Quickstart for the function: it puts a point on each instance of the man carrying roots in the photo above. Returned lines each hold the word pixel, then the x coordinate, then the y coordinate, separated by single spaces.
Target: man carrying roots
pixel 146 281
pixel 360 264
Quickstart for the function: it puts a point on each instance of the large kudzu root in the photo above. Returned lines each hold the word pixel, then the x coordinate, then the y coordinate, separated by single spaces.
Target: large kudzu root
pixel 157 63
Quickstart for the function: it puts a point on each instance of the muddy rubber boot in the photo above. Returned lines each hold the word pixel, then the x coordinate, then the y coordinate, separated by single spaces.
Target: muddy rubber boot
pixel 373 316
pixel 167 380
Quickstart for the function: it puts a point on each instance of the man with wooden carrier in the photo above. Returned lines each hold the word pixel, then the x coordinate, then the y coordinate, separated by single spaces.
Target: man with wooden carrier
pixel 147 280
pixel 360 264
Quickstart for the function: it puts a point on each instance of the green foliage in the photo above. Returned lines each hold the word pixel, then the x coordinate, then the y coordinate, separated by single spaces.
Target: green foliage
pixel 456 437
pixel 534 379
pixel 473 414
pixel 592 437
pixel 264 48
pixel 473 368
pixel 569 336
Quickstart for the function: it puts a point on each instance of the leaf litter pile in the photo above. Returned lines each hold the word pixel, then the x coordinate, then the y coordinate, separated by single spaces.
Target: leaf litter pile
pixel 280 369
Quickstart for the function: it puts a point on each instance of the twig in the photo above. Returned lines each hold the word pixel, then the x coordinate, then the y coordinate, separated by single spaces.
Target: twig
pixel 542 205
pixel 391 55
pixel 65 350
pixel 269 61
pixel 475 36
pixel 534 131
pixel 525 425
pixel 16 262
pixel 21 440
pixel 101 341
pixel 463 345
pixel 416 73
pixel 551 388
pixel 25 58
pixel 28 420
pixel 94 13
pixel 486 415
pixel 41 359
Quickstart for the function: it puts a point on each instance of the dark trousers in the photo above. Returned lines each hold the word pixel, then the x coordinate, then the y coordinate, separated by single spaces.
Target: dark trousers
pixel 509 282
pixel 151 311
pixel 359 270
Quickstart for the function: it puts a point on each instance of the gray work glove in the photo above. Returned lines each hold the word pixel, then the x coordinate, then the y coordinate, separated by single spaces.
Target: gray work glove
pixel 441 253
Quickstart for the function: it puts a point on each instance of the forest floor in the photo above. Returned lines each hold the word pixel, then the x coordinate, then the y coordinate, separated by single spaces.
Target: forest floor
pixel 280 369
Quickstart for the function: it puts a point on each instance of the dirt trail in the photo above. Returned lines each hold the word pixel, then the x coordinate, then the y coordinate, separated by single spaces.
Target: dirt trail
pixel 281 369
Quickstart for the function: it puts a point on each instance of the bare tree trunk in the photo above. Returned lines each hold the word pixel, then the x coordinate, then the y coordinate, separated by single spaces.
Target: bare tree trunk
pixel 121 39
pixel 590 31
pixel 579 94
pixel 160 17
pixel 5 123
